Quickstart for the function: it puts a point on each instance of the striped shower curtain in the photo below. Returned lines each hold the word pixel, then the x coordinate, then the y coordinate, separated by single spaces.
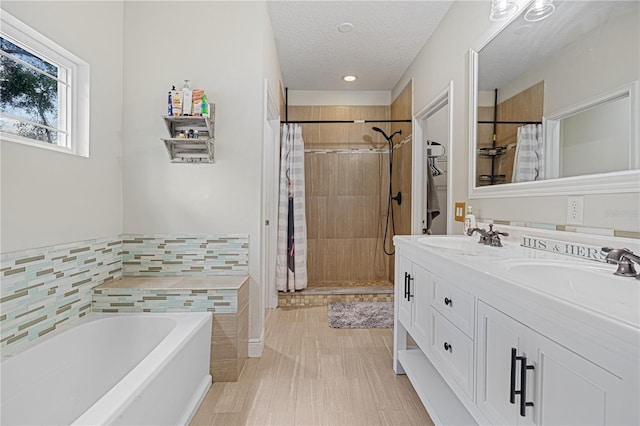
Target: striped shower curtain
pixel 291 255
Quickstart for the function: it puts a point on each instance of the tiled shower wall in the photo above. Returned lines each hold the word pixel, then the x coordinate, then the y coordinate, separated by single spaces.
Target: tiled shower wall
pixel 46 287
pixel 346 174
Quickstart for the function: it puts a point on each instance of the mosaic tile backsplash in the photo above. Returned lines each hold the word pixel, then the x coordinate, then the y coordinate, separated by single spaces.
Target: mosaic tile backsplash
pixel 145 300
pixel 45 287
pixel 185 254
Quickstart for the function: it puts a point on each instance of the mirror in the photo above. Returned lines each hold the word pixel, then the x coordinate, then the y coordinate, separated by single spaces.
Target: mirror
pixel 561 115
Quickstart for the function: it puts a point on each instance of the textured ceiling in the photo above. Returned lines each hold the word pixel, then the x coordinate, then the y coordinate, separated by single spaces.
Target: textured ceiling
pixel 387 36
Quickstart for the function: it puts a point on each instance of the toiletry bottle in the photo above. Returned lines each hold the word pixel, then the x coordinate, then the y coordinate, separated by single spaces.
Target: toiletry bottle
pixel 205 106
pixel 170 103
pixel 186 98
pixel 469 220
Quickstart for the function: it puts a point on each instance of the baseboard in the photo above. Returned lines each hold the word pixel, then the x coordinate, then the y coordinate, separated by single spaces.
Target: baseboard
pixel 256 346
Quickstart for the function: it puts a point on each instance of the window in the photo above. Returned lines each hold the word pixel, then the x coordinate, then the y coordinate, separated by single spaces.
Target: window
pixel 44 92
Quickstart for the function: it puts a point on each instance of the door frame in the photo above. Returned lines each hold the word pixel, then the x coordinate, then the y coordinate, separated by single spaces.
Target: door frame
pixel 270 169
pixel 418 189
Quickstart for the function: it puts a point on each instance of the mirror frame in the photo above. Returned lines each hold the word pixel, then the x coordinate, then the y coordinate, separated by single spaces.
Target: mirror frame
pixel 627 181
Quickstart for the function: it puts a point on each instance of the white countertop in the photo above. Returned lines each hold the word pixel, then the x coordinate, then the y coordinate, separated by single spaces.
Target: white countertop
pixel 610 314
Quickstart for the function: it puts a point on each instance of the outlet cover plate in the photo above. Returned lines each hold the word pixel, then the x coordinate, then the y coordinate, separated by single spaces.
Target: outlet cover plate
pixel 459 212
pixel 575 210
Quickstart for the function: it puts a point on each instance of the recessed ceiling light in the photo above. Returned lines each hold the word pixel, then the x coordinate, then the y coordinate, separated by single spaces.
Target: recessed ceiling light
pixel 349 78
pixel 345 27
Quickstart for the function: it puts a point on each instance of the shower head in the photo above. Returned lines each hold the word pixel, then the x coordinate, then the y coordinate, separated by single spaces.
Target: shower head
pixel 378 129
pixel 388 138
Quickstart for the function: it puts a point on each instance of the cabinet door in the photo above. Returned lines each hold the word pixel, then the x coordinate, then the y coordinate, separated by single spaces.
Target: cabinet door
pixel 403 274
pixel 497 335
pixel 575 391
pixel 421 290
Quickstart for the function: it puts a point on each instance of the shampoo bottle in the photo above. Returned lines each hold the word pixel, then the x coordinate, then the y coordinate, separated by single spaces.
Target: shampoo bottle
pixel 187 98
pixel 469 221
pixel 205 106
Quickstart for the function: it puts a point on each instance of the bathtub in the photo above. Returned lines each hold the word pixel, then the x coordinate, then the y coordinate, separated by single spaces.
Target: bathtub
pixel 130 369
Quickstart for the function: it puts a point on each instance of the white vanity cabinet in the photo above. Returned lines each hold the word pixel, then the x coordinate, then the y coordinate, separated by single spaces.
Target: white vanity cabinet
pixel 451 317
pixel 413 299
pixel 560 387
pixel 482 338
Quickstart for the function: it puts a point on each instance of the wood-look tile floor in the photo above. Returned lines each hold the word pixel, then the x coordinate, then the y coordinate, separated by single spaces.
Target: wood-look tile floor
pixel 311 374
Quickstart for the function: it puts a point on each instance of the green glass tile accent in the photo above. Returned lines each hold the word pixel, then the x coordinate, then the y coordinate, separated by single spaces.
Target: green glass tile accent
pixel 30 259
pixel 79 283
pixel 32 322
pixel 122 304
pixel 14 271
pixel 626 234
pixel 90 260
pixel 79 250
pixel 69 259
pixel 46 330
pixel 44 272
pixel 14 296
pixel 28 312
pixel 16 338
pixel 71 293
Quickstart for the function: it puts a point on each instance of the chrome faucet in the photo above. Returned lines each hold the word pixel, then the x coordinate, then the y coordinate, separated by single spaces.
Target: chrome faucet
pixel 491 238
pixel 625 259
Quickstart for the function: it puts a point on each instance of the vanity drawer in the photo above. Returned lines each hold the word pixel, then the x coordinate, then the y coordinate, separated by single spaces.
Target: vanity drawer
pixel 455 304
pixel 452 352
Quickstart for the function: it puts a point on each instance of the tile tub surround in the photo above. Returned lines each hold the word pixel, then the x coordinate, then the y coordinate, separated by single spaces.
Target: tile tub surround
pixel 227 296
pixel 185 254
pixel 43 288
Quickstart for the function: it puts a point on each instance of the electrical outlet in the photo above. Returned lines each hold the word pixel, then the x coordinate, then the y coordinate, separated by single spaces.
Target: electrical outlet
pixel 459 212
pixel 575 210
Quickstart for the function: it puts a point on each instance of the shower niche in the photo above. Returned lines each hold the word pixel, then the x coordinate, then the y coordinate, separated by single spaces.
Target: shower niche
pixel 191 138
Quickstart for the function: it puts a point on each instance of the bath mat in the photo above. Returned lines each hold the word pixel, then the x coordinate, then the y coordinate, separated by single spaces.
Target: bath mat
pixel 361 315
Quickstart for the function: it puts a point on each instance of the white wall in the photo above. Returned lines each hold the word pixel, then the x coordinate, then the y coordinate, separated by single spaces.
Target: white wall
pixel 227 55
pixel 445 57
pixel 53 198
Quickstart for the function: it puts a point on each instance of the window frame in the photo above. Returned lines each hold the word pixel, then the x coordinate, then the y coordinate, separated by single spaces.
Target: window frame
pixel 74 106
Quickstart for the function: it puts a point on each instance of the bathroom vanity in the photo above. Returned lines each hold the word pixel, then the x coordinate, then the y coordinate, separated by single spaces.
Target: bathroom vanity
pixel 512 335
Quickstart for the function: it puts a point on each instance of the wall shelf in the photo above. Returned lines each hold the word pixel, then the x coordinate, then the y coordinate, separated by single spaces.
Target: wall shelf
pixel 190 150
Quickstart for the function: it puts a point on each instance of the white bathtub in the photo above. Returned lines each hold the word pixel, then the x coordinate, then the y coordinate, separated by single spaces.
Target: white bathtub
pixel 129 369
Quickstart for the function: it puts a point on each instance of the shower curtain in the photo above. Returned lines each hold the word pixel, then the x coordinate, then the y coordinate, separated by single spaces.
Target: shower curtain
pixel 291 255
pixel 529 159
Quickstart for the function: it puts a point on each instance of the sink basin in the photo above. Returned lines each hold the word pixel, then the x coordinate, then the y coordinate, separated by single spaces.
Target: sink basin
pixel 589 284
pixel 459 243
pixel 451 242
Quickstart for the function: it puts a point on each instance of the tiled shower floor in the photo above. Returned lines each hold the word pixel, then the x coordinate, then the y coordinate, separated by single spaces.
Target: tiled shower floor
pixel 323 293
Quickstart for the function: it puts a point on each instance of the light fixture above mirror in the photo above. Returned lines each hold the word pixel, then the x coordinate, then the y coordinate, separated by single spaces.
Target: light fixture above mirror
pixel 539 10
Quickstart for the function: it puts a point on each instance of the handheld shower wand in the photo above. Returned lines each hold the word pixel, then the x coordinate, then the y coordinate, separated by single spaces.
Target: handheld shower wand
pixel 398 197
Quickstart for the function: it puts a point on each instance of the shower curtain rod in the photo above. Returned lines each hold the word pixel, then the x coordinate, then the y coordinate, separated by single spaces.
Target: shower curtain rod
pixel 343 121
pixel 509 122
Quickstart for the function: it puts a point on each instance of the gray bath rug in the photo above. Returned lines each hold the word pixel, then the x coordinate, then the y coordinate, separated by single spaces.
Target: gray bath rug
pixel 361 315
